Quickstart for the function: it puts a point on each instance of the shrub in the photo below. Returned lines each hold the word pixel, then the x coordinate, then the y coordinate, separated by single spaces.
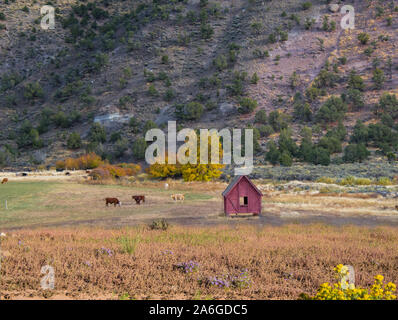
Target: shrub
pixel 28 136
pixel 9 81
pixel 355 98
pixel 4 158
pixel 149 125
pixel 389 103
pixel 382 136
pixel 302 111
pixel 97 133
pixel 152 90
pixel 265 130
pixel 312 93
pixel 345 291
pixel 134 124
pixel 107 171
pixel 306 5
pixel 160 224
pixel 45 120
pixel 286 142
pixel 256 27
pixel 61 120
pixel 121 146
pixel 309 22
pixel 273 154
pixel 237 86
pixel 254 79
pixel 165 170
pixel 327 180
pixel 33 90
pixel 189 172
pixel 261 117
pixel 343 60
pixel 139 147
pixel 355 153
pixel 384 181
pixel 165 59
pixel 378 78
pixel 220 62
pixel 326 79
pixel 206 31
pixel 87 161
pixel 191 111
pixel 278 120
pixel 363 38
pixel 332 144
pixel 332 110
pixel 355 81
pixel 169 95
pixel 247 105
pixel 100 61
pixel 286 159
pixel 360 133
pixel 74 141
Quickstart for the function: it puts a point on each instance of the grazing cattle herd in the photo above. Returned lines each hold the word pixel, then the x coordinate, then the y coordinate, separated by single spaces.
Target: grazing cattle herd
pixel 141 198
pixel 116 202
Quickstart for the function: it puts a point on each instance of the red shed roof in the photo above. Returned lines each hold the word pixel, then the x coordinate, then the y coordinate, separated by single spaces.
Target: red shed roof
pixel 235 181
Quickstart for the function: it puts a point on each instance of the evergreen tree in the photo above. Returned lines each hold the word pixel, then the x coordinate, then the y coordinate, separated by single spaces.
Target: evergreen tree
pixel 273 154
pixel 286 159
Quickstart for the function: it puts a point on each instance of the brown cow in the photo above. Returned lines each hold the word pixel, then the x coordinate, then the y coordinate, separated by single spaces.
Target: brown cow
pixel 138 199
pixel 5 180
pixel 114 201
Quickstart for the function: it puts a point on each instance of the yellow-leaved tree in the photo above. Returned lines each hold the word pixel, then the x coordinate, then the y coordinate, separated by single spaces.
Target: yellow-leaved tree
pixel 164 170
pixel 191 172
pixel 204 172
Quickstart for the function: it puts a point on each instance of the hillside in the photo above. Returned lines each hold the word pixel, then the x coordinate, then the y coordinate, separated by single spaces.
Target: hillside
pixel 132 65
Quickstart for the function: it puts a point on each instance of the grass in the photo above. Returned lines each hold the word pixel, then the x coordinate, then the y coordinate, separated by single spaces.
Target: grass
pixel 128 245
pixel 55 204
pixel 43 203
pixel 24 195
pixel 110 260
pixel 281 262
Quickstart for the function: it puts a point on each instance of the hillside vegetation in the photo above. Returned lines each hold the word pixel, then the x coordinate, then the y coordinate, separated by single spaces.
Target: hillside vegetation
pixel 111 70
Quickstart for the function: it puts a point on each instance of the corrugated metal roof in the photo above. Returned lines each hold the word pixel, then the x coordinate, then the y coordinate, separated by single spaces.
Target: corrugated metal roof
pixel 231 185
pixel 234 181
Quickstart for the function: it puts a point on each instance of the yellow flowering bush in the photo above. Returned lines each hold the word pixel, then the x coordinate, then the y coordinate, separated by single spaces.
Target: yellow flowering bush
pixel 345 291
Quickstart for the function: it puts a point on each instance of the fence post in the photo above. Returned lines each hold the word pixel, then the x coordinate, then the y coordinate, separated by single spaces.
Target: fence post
pixel 6 205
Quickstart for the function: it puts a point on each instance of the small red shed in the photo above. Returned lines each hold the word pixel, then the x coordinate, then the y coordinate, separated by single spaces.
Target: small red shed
pixel 242 196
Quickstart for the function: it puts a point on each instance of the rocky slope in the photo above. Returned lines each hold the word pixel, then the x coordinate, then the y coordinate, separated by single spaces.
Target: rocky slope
pixel 108 61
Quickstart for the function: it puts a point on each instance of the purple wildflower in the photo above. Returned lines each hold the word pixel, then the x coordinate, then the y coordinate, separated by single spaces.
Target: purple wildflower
pixel 103 250
pixel 188 267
